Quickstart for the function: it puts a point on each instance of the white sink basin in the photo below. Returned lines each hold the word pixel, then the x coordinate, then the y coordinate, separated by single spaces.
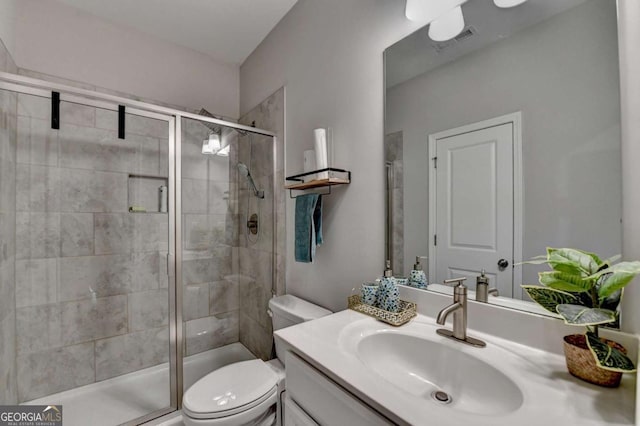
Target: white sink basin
pixel 422 367
pixel 395 370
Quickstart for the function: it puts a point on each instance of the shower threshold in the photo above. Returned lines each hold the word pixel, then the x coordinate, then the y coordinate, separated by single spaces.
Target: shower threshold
pixel 133 395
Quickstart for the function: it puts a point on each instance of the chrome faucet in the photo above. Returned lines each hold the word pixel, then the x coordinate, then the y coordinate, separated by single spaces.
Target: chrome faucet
pixel 482 288
pixel 459 310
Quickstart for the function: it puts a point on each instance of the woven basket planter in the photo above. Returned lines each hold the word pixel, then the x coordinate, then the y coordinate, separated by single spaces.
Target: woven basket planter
pixel 582 364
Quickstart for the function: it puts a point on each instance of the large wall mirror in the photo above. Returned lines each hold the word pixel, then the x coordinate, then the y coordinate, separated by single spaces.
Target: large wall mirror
pixel 504 140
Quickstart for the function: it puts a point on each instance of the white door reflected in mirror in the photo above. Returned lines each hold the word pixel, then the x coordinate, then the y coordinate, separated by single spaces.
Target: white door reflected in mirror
pixel 473 188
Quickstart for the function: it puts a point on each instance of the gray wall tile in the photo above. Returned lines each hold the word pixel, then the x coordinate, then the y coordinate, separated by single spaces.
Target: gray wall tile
pixel 202 232
pixel 224 296
pixel 92 191
pixel 76 234
pixel 98 149
pixel 194 196
pixel 93 319
pixel 107 275
pixel 255 337
pixel 37 142
pixel 214 267
pixel 211 332
pixel 195 301
pixel 148 309
pixel 8 378
pixel 38 188
pixel 126 232
pixel 8 158
pixel 107 119
pixel 34 107
pixel 44 373
pixel 37 235
pixel 81 115
pixel 131 352
pixel 36 282
pixel 38 328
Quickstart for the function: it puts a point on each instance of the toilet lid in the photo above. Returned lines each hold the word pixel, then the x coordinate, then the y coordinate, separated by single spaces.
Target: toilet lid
pixel 230 389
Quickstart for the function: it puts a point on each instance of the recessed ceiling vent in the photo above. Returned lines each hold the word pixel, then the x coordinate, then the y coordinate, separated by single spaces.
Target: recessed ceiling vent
pixel 467 33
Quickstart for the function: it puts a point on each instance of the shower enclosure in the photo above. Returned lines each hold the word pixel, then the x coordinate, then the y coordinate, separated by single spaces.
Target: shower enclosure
pixel 129 249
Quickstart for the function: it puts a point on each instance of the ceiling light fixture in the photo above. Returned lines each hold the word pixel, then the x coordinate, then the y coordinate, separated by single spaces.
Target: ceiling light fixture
pixel 429 10
pixel 447 26
pixel 212 145
pixel 224 152
pixel 508 3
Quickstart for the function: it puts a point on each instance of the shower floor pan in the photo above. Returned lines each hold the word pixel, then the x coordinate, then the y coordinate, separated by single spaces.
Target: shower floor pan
pixel 127 397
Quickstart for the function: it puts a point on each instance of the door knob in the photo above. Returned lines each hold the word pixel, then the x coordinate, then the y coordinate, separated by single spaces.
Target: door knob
pixel 502 264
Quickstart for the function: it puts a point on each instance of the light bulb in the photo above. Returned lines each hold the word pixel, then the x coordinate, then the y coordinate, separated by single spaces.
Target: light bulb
pixel 447 26
pixel 211 145
pixel 508 3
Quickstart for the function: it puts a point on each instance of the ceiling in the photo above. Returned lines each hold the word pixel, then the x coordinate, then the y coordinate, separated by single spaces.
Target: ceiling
pixel 417 53
pixel 226 30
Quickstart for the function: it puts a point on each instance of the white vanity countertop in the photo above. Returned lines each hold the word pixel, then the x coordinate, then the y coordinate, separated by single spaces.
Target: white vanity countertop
pixel 551 395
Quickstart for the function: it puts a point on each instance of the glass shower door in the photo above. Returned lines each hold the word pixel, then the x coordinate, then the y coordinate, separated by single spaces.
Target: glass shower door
pixel 91 275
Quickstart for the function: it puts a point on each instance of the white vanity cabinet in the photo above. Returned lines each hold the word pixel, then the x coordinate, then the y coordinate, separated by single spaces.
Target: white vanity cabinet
pixel 313 398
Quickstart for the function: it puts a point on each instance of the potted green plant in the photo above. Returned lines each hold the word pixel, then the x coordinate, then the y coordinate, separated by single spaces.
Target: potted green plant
pixel 586 291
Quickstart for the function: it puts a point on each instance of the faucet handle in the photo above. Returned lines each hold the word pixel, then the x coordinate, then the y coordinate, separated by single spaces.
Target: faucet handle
pixel 456 280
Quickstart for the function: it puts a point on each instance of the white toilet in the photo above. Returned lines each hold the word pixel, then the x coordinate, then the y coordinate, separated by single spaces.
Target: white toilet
pixel 247 392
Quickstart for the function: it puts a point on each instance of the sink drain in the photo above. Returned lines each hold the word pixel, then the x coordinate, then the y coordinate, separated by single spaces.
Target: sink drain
pixel 441 397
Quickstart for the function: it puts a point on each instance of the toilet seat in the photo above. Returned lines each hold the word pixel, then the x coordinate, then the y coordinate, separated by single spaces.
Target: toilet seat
pixel 233 389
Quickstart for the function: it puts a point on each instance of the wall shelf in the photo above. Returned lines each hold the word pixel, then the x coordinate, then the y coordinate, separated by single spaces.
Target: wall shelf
pixel 335 177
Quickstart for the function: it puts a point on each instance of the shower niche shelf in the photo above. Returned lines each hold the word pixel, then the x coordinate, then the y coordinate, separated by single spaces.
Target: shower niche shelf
pixel 144 194
pixel 333 177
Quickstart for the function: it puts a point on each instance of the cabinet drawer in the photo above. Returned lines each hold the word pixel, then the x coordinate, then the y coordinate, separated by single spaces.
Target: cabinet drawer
pixel 325 401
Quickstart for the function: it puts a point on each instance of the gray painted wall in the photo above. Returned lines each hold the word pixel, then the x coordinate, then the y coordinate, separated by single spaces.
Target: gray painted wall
pixel 563 75
pixel 630 65
pixel 329 55
pixel 54 38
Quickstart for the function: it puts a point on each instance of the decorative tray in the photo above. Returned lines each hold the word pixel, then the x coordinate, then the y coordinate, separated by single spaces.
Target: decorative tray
pixel 407 311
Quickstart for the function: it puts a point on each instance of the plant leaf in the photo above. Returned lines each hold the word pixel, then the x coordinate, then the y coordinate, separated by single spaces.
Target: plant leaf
pixel 567 258
pixel 549 298
pixel 583 315
pixel 538 260
pixel 565 281
pixel 612 259
pixel 607 357
pixel 620 275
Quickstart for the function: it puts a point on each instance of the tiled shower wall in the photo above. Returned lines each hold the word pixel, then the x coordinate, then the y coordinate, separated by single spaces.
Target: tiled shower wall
pixel 255 258
pixel 210 281
pixel 91 283
pixel 393 154
pixel 8 141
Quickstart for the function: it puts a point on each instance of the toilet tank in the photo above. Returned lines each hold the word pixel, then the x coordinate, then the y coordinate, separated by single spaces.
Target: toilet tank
pixel 289 310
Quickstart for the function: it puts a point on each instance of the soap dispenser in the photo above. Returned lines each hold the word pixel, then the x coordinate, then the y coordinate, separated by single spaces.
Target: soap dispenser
pixel 482 288
pixel 418 278
pixel 388 292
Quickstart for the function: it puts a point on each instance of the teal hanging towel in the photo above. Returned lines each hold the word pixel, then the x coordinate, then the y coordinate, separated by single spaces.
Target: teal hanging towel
pixel 308 233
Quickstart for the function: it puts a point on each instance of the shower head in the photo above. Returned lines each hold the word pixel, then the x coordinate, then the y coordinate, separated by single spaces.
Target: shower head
pixel 215 128
pixel 244 171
